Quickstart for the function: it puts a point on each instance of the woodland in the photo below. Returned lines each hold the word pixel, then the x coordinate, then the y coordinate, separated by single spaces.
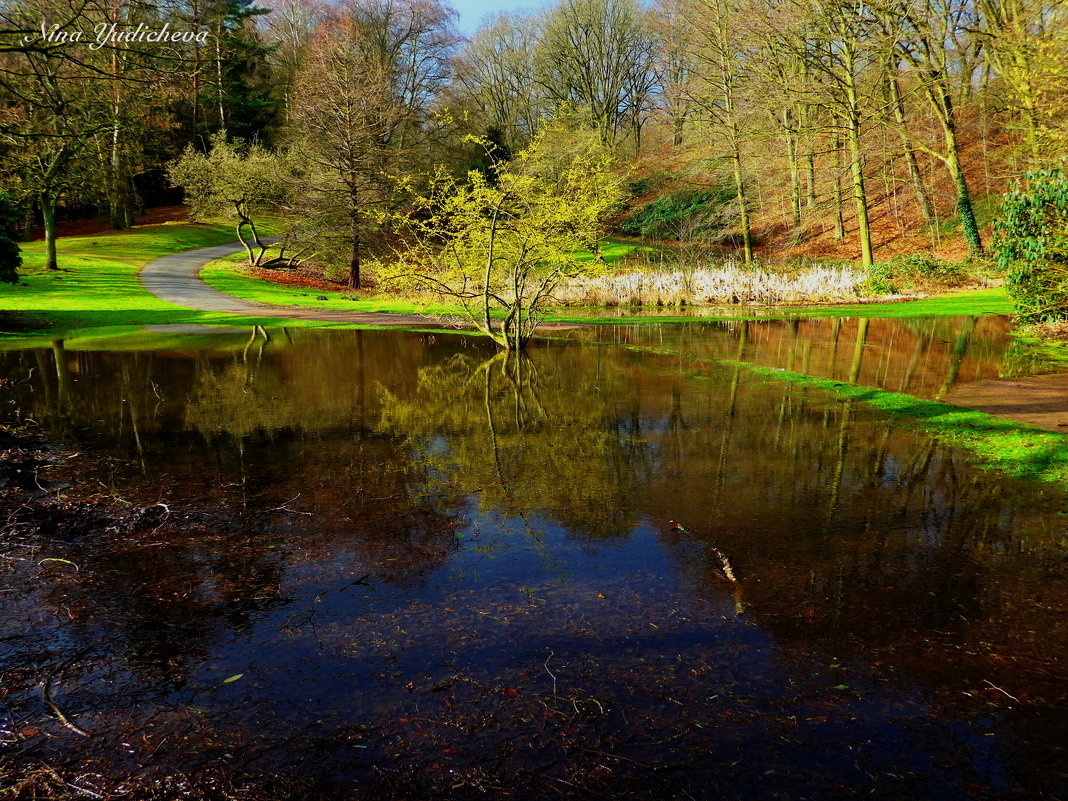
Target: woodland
pixel 368 134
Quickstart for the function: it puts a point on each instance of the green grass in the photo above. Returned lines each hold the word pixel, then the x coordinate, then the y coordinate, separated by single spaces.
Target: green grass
pixel 96 292
pixel 225 275
pixel 612 250
pixel 976 302
pixel 97 280
pixel 1015 449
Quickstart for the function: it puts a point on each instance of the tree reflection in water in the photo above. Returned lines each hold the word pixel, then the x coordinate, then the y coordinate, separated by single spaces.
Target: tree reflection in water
pixel 478 545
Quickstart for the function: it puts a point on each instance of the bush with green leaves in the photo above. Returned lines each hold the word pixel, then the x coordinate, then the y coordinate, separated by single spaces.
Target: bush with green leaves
pixel 1031 245
pixel 10 255
pixel 684 214
pixel 914 272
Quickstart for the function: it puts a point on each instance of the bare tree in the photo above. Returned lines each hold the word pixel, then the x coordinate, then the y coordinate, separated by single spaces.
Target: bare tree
pixel 597 56
pixel 359 115
pixel 720 74
pixel 495 77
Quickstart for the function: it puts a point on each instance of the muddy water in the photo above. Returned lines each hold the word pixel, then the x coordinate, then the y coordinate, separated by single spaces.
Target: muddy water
pixel 433 571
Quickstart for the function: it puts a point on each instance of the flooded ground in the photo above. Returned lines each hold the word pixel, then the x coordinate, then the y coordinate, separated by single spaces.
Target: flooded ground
pixel 421 569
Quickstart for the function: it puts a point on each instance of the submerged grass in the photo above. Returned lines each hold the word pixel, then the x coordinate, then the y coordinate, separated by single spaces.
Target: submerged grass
pixel 975 302
pixel 1016 449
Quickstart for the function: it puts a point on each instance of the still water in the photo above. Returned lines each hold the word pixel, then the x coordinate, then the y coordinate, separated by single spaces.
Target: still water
pixel 426 570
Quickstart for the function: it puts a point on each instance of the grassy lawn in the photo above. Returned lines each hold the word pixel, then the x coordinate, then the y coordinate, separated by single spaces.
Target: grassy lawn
pixel 225 275
pixel 97 280
pixel 976 302
pixel 96 291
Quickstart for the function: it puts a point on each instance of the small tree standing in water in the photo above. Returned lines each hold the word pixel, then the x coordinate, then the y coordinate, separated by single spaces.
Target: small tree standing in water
pixel 500 242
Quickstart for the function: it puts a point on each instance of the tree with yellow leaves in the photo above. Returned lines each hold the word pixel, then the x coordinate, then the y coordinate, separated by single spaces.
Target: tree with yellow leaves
pixel 500 243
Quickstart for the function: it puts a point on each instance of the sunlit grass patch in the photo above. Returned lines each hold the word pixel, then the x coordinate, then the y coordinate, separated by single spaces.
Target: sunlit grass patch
pixel 226 275
pixel 1019 450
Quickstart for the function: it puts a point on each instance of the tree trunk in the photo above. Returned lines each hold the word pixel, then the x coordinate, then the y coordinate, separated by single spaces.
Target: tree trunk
pixel 118 211
pixel 795 171
pixel 48 214
pixel 354 264
pixel 968 223
pixel 860 195
pixel 839 218
pixel 918 186
pixel 241 238
pixel 810 179
pixel 219 77
pixel 743 207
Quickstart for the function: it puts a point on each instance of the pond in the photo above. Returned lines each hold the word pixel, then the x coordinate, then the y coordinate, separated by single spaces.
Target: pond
pixel 426 570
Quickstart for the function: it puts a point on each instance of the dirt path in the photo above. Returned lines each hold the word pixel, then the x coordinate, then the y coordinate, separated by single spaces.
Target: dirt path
pixel 175 279
pixel 1040 400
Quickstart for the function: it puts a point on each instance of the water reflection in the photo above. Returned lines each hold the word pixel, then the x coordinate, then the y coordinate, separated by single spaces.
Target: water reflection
pixel 420 554
pixel 925 357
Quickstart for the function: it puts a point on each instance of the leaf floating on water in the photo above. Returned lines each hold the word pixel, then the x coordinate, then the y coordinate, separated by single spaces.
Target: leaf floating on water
pixel 235 677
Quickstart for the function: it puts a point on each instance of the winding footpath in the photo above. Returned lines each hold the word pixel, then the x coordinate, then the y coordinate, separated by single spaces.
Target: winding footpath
pixel 1037 401
pixel 176 279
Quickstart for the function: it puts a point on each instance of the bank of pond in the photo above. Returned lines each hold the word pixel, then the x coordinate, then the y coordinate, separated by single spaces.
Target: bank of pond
pixel 388 564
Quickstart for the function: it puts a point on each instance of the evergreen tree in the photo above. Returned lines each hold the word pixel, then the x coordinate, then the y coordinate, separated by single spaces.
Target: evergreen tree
pixel 10 257
pixel 239 81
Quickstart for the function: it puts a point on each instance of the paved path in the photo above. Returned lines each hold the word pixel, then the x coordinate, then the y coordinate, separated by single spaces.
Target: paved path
pixel 175 279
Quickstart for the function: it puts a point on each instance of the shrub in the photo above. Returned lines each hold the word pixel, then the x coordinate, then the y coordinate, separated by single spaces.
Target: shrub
pixel 639 185
pixel 683 214
pixel 1031 245
pixel 10 256
pixel 913 272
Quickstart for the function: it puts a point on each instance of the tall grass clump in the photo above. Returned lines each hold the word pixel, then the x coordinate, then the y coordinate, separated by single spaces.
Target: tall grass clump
pixel 675 284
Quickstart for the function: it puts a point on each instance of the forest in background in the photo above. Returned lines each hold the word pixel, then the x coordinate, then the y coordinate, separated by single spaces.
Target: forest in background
pixel 770 128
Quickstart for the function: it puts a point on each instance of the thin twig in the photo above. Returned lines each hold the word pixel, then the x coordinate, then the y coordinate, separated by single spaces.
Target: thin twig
pixel 546 663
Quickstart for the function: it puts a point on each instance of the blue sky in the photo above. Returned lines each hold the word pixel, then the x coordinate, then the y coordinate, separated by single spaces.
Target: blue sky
pixel 472 11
